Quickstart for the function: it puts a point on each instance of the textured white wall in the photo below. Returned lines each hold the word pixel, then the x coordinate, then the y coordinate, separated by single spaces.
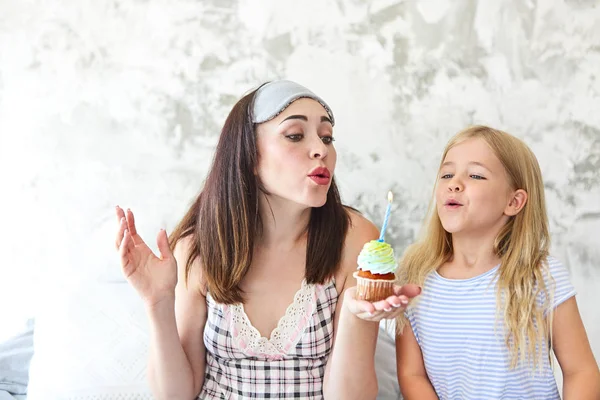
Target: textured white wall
pixel 120 102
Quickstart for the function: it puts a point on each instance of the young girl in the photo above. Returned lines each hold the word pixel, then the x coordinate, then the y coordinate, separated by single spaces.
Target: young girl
pixel 494 302
pixel 256 299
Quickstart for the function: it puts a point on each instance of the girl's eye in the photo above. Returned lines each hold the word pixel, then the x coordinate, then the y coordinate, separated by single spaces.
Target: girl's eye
pixel 478 177
pixel 446 176
pixel 295 137
pixel 327 139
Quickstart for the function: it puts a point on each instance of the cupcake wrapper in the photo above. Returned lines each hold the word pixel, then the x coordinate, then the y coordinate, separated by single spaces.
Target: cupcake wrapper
pixel 373 289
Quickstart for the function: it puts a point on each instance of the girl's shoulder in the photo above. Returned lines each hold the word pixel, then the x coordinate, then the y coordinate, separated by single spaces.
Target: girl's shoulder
pixel 557 280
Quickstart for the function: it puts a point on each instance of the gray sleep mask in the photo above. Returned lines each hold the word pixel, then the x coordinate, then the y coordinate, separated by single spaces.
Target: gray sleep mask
pixel 274 97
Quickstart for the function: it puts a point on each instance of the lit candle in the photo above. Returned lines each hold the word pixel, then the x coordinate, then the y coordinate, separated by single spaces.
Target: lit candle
pixel 387 216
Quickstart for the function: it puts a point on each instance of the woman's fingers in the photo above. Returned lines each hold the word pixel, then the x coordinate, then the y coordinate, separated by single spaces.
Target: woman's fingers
pixel 409 290
pixel 124 248
pixel 137 239
pixel 357 306
pixel 392 302
pixel 162 240
pixel 365 306
pixel 120 232
pixel 378 315
pixel 131 223
pixel 374 316
pixel 382 305
pixel 120 213
pixel 389 308
pixel 361 308
pixel 122 225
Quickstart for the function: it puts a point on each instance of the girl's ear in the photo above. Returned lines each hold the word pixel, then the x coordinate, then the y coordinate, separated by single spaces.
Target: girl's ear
pixel 516 203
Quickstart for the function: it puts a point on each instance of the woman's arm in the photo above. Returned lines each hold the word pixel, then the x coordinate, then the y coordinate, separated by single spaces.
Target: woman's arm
pixel 412 377
pixel 581 377
pixel 177 353
pixel 350 371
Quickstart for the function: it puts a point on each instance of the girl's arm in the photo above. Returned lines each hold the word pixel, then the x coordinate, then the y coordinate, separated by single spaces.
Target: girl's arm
pixel 581 377
pixel 177 352
pixel 412 377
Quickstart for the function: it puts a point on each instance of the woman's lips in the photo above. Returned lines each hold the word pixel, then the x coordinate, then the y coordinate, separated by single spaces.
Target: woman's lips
pixel 319 179
pixel 320 176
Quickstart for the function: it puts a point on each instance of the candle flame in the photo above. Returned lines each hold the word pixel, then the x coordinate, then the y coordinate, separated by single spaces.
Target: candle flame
pixel 390 196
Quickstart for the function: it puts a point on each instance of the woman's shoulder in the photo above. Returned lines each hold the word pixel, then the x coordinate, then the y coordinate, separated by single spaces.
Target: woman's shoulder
pixel 360 231
pixel 183 251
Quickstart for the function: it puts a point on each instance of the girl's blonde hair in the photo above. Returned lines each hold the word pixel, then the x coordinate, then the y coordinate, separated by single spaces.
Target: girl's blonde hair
pixel 522 244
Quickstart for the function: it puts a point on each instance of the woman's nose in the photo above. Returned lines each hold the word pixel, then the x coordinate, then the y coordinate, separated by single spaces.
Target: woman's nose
pixel 318 149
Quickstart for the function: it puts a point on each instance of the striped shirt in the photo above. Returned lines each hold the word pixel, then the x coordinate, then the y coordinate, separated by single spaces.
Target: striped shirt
pixel 462 342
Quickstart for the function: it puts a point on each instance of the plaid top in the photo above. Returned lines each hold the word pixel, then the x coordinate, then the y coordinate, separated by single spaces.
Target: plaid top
pixel 240 364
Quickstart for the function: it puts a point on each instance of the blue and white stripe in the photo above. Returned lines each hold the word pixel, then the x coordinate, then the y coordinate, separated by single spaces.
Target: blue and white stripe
pixel 462 342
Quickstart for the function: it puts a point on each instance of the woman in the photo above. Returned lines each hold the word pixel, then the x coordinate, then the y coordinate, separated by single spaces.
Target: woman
pixel 257 295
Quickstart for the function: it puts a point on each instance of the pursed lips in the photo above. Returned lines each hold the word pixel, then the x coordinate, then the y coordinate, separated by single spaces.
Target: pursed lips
pixel 320 175
pixel 452 204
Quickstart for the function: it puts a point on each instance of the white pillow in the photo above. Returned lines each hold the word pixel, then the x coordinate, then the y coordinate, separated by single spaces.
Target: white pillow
pixel 16 328
pixel 90 342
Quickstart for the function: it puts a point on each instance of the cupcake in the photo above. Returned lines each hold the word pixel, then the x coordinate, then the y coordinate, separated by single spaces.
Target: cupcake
pixel 375 276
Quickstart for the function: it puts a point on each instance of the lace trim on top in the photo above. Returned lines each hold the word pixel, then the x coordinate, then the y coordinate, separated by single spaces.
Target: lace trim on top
pixel 285 336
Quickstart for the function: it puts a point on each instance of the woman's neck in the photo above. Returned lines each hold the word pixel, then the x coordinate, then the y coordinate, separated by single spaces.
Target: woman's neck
pixel 284 223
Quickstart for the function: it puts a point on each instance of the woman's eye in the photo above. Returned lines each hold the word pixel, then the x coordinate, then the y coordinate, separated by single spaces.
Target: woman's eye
pixel 295 137
pixel 327 139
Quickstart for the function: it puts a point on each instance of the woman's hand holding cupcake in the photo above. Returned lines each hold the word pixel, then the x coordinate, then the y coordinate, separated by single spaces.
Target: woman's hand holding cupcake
pixel 388 308
pixel 375 296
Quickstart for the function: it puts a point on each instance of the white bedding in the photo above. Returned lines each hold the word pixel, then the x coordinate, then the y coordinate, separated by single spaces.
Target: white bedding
pixel 4 395
pixel 90 343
